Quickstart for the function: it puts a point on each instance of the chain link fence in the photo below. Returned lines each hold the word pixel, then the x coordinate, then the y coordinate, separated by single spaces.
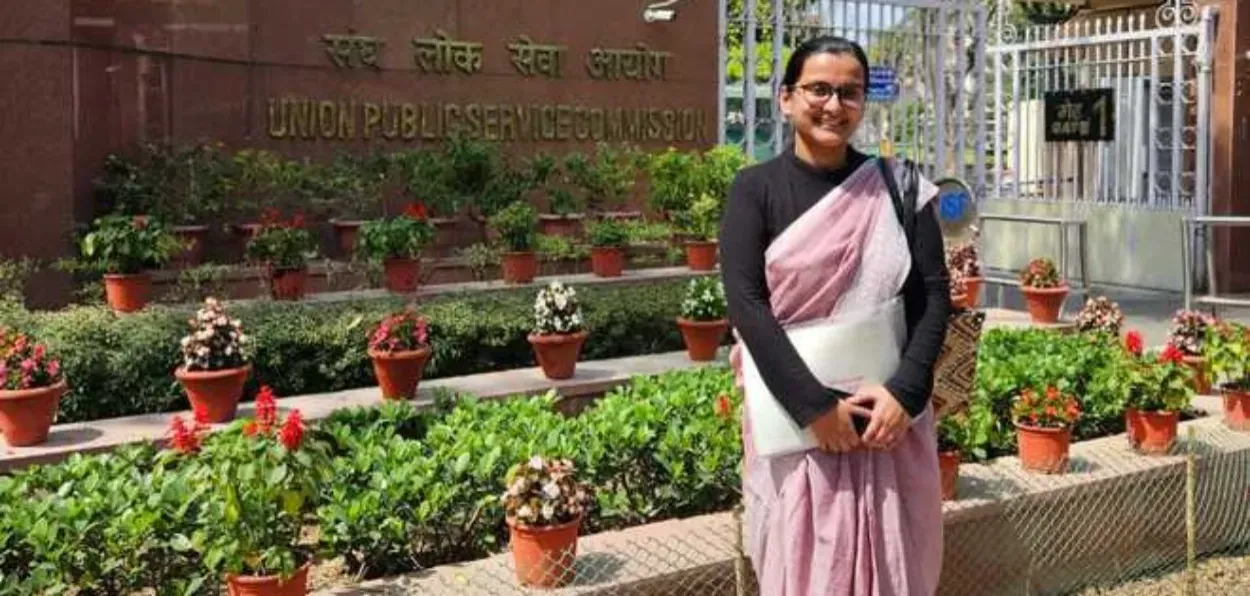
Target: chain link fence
pixel 1117 523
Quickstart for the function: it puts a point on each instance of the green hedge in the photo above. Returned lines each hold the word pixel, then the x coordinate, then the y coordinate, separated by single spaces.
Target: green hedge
pixel 409 490
pixel 123 365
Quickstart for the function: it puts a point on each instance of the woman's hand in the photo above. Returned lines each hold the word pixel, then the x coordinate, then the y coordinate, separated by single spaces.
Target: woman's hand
pixel 834 430
pixel 889 421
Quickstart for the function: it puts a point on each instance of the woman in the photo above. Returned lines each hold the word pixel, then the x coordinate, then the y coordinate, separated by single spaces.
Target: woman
pixel 860 515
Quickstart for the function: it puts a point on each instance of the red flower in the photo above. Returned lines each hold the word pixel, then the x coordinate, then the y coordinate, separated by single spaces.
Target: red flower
pixel 1133 341
pixel 201 416
pixel 266 409
pixel 723 407
pixel 415 211
pixel 270 217
pixel 139 222
pixel 184 439
pixel 1172 354
pixel 292 432
pixel 298 220
pixel 249 428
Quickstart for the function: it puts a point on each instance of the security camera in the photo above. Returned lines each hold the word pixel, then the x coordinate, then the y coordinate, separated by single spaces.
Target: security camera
pixel 655 15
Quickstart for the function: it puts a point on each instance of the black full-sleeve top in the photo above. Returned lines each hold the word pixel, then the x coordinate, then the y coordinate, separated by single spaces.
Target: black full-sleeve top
pixel 765 199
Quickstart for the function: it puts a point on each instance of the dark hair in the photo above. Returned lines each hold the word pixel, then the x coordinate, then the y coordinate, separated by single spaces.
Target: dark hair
pixel 825 44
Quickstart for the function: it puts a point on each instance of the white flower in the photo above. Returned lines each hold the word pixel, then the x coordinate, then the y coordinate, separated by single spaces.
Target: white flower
pixel 186 341
pixel 525 512
pixel 202 351
pixel 551 490
pixel 536 463
pixel 549 511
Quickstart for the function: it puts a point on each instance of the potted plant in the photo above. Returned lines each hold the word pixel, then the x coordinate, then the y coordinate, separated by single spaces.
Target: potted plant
pixel 216 360
pixel 700 226
pixel 125 249
pixel 31 386
pixel 1100 315
pixel 950 429
pixel 1044 291
pixel 399 347
pixel 550 176
pixel 558 330
pixel 1188 332
pixel 347 190
pixel 397 243
pixel 515 225
pixel 259 484
pixel 1044 428
pixel 1155 391
pixel 961 297
pixel 193 192
pixel 674 180
pixel 608 238
pixel 544 506
pixel 284 247
pixel 1228 354
pixel 603 180
pixel 703 321
pixel 259 181
pixel 964 258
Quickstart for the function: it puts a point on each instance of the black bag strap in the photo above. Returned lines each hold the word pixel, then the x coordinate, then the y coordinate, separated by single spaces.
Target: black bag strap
pixel 905 200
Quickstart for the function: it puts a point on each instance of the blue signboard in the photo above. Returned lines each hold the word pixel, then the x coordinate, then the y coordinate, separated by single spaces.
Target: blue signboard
pixel 882 84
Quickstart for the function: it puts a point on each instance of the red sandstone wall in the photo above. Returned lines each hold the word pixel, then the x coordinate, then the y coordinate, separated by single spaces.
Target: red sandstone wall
pixel 90 77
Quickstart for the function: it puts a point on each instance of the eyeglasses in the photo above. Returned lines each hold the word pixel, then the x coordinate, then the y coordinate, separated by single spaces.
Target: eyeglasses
pixel 819 93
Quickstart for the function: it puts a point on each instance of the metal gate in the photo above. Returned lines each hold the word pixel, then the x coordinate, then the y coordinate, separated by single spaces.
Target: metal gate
pixel 1155 67
pixel 928 78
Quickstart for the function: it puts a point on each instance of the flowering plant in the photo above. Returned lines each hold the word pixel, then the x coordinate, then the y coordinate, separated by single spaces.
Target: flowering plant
pixel 1169 383
pixel 25 364
pixel 963 257
pixel 1040 273
pixel 704 301
pixel 1100 314
pixel 1188 331
pixel 282 244
pixel 400 332
pixel 260 484
pixel 399 237
pixel 1228 350
pixel 216 342
pixel 557 310
pixel 958 283
pixel 127 245
pixel 543 492
pixel 1051 409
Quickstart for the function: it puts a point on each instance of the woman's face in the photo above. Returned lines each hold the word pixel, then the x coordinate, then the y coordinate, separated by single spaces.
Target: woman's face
pixel 826 105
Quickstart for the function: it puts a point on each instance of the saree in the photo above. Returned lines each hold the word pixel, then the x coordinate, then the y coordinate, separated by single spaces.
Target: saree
pixel 867 522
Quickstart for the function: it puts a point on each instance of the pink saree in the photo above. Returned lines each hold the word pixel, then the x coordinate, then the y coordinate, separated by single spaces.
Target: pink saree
pixel 864 523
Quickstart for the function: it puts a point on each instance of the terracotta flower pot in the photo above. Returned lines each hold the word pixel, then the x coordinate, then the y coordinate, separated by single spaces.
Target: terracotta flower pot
pixel 345 232
pixel 701 256
pixel 568 226
pixel 519 267
pixel 702 338
pixel 1043 450
pixel 1237 409
pixel 128 293
pixel 27 414
pixel 961 301
pixel 1044 303
pixel 544 556
pixel 621 215
pixel 269 585
pixel 1202 380
pixel 557 353
pixel 192 239
pixel 607 261
pixel 216 393
pixel 974 286
pixel 1151 433
pixel 402 275
pixel 288 283
pixel 399 373
pixel 948 465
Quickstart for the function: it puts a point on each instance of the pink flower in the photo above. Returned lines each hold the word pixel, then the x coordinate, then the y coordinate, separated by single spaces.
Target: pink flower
pixel 54 368
pixel 28 365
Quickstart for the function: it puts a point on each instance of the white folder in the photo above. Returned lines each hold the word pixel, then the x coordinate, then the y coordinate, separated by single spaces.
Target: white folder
pixel 861 347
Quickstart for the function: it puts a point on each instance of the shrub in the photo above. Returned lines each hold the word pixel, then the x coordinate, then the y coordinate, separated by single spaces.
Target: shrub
pixel 1040 273
pixel 516 224
pixel 398 237
pixel 282 244
pixel 608 232
pixel 121 366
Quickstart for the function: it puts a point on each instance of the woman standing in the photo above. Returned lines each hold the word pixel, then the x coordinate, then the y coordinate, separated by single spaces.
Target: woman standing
pixel 813 235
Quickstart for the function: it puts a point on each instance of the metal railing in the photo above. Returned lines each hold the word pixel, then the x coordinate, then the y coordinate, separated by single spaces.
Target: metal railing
pixel 1189 225
pixel 1063 225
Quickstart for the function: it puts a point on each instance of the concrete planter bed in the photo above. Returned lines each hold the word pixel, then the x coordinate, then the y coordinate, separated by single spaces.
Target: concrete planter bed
pixel 1114 516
